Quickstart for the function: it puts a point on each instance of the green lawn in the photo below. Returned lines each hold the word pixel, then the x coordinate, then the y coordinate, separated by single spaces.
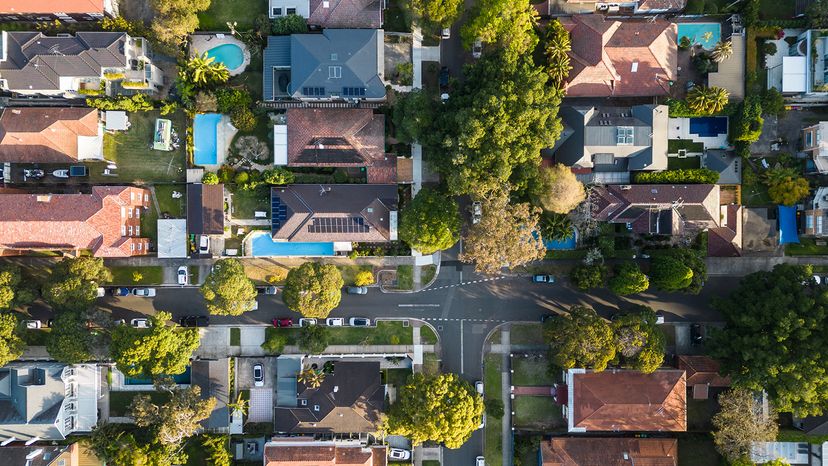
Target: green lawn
pixel 431 364
pixel 119 401
pixel 534 371
pixel 137 162
pixel 526 334
pixel 349 272
pixel 427 274
pixel 807 247
pixel 675 163
pixel 194 271
pixel 700 413
pixel 385 333
pixel 673 146
pixel 493 441
pixel 151 275
pixel 537 413
pixel 405 277
pixel 173 207
pixel 427 336
pixel 245 202
pixel 235 336
pixel 696 449
pixel 242 12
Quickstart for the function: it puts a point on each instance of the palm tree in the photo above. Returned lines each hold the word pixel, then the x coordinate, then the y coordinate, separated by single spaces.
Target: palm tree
pixel 203 70
pixel 722 51
pixel 707 100
pixel 556 227
pixel 240 404
pixel 311 378
pixel 559 70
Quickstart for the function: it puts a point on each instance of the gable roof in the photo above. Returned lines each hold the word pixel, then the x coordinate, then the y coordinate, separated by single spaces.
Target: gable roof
pixel 337 137
pixel 306 452
pixel 212 377
pixel 205 209
pixel 45 135
pixel 620 400
pixel 345 14
pixel 620 58
pixel 702 370
pixel 609 452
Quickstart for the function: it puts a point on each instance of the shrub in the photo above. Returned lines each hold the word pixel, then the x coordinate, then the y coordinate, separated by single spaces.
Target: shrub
pixel 210 178
pixel 275 343
pixel 135 103
pixel 588 276
pixel 168 107
pixel 682 176
pixel 747 122
pixel 364 278
pixel 772 102
pixel 768 48
pixel 628 279
pixel 226 174
pixel 684 43
pixel 243 119
pixel 228 100
pixel 290 24
pixel 241 178
pixel 278 176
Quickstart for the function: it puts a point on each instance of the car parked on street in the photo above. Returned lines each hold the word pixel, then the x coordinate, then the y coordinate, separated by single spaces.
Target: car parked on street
pixel 143 292
pixel 543 278
pixel 444 78
pixel 183 276
pixel 140 323
pixel 479 386
pixel 479 461
pixel 357 290
pixel 258 375
pixel 282 322
pixel 307 322
pixel 477 212
pixel 120 291
pixel 359 322
pixel 477 48
pixel 446 33
pixel 271 290
pixel 33 324
pixel 194 321
pixel 335 322
pixel 398 454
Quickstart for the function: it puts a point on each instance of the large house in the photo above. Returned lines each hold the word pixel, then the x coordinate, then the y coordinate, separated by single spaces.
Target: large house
pixel 623 7
pixel 339 64
pixel 624 401
pixel 580 451
pixel 298 451
pixel 333 14
pixel 68 11
pixel 815 145
pixel 39 454
pixel 50 135
pixel 47 400
pixel 205 209
pixel 798 69
pixel 630 58
pixel 603 144
pixel 88 63
pixel 106 222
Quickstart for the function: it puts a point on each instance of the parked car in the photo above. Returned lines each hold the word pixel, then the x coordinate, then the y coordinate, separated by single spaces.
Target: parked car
pixel 477 48
pixel 120 291
pixel 194 321
pixel 357 290
pixel 183 275
pixel 696 336
pixel 335 322
pixel 482 422
pixel 359 322
pixel 479 386
pixel 140 323
pixel 543 278
pixel 282 322
pixel 101 291
pixel 446 33
pixel 144 292
pixel 444 77
pixel 659 317
pixel 258 375
pixel 477 212
pixel 398 454
pixel 61 173
pixel 271 290
pixel 817 279
pixel 479 461
pixel 307 322
pixel 33 324
pixel 204 244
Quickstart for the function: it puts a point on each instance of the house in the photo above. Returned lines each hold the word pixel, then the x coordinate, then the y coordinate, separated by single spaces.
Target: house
pixel 339 64
pixel 49 455
pixel 50 135
pixel 212 377
pixel 725 240
pixel 816 218
pixel 334 213
pixel 349 400
pixel 332 14
pixel 605 143
pixel 338 137
pixel 702 374
pixel 205 209
pixel 306 451
pixel 815 146
pixel 580 451
pixel 44 10
pixel 624 401
pixel 86 64
pixel 798 69
pixel 47 400
pixel 792 453
pixel 106 222
pixel 630 58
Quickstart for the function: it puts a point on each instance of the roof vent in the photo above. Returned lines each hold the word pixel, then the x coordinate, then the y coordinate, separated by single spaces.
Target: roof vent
pixel 326 4
pixel 44 198
pixel 635 65
pixel 316 408
pixel 336 388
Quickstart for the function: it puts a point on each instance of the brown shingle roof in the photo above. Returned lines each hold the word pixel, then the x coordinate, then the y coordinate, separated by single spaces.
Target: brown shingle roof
pixel 293 453
pixel 49 6
pixel 702 370
pixel 672 5
pixel 334 137
pixel 346 14
pixel 44 135
pixel 609 452
pixel 629 401
pixel 205 209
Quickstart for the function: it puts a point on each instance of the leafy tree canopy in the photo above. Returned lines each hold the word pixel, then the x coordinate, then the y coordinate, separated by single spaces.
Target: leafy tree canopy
pixel 313 289
pixel 628 279
pixel 290 24
pixel 227 289
pixel 73 285
pixel 70 341
pixel 431 222
pixel 788 190
pixel 440 12
pixel 313 339
pixel 670 274
pixel 159 350
pixel 174 21
pixel 580 339
pixel 640 343
pixel 174 421
pixel 14 291
pixel 589 276
pixel 560 191
pixel 506 24
pixel 11 345
pixel 412 115
pixel 741 421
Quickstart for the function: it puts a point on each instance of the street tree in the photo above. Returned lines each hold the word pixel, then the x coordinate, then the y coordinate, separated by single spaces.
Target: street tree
pixel 670 274
pixel 70 341
pixel 588 276
pixel 431 222
pixel 313 339
pixel 439 12
pixel 740 422
pixel 313 289
pixel 14 290
pixel 560 191
pixel 73 285
pixel 159 350
pixel 217 448
pixel 227 290
pixel 504 24
pixel 640 343
pixel 504 237
pixel 628 279
pixel 177 419
pixel 11 344
pixel 580 339
pixel 441 408
pixel 774 338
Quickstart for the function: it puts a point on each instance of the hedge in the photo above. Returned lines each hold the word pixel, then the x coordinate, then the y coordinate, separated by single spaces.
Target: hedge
pixel 682 176
pixel 680 109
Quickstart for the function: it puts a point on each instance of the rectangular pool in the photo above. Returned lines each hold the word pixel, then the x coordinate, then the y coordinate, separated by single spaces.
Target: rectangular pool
pixel 264 246
pixel 181 379
pixel 704 34
pixel 708 127
pixel 205 126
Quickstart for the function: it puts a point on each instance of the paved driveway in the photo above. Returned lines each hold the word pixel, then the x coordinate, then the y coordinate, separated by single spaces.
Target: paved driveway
pixel 244 373
pixel 261 405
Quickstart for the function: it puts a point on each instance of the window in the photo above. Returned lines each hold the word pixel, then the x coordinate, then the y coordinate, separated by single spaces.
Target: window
pixel 132 247
pixel 140 245
pixel 625 136
pixel 70 406
pixel 130 230
pixel 809 139
pixel 313 91
pixel 69 423
pixel 130 213
pixel 353 91
pixel 131 196
pixel 819 136
pixel 291 11
pixel 316 407
pixel 146 197
pixel 123 230
pixel 334 56
pixel 303 402
pixel 137 230
pixel 334 72
pixel 277 12
pixel 137 212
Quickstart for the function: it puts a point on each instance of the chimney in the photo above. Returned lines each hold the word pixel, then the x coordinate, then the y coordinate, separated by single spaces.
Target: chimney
pixel 45 198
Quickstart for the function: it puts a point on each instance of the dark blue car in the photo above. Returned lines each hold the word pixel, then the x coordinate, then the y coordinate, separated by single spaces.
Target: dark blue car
pixel 121 291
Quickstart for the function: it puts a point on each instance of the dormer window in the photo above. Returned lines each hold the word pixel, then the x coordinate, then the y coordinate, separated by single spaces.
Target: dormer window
pixel 334 72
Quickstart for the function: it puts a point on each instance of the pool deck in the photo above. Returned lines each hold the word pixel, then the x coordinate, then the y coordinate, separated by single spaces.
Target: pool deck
pixel 200 43
pixel 680 129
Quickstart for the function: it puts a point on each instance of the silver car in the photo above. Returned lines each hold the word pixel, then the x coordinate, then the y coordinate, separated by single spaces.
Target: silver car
pixel 357 290
pixel 477 48
pixel 258 375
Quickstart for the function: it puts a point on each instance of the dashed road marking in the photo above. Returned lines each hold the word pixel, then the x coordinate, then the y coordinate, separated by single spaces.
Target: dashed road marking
pixel 483 280
pixel 443 319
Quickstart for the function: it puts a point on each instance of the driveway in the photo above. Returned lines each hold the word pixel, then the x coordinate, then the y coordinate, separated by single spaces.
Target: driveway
pixel 244 373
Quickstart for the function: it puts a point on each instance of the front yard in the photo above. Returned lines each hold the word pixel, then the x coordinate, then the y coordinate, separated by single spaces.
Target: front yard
pixel 539 413
pixel 807 247
pixel 493 435
pixel 385 333
pixel 151 275
pixel 533 371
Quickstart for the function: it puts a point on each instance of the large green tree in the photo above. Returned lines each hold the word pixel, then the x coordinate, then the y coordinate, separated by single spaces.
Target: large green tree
pixel 412 115
pixel 505 24
pixel 640 342
pixel 14 290
pixel 431 222
pixel 160 350
pixel 670 274
pixel 439 12
pixel 786 186
pixel 585 277
pixel 442 408
pixel 740 422
pixel 628 279
pixel 70 341
pixel 113 444
pixel 313 339
pixel 11 345
pixel 174 20
pixel 73 285
pixel 177 419
pixel 313 289
pixel 227 289
pixel 560 191
pixel 580 339
pixel 774 338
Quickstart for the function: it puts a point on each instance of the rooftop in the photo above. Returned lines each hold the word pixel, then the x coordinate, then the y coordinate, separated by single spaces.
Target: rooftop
pixel 49 135
pixel 307 452
pixel 205 209
pixel 344 14
pixel 48 6
pixel 609 452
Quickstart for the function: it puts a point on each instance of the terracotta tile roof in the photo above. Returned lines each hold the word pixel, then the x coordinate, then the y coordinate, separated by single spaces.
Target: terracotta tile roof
pixel 628 401
pixel 293 453
pixel 346 14
pixel 726 241
pixel 659 5
pixel 335 137
pixel 74 221
pixel 44 135
pixel 49 6
pixel 605 53
pixel 702 370
pixel 609 452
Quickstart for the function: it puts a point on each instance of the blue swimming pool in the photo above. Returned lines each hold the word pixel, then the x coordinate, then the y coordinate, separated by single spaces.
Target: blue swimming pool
pixel 264 246
pixel 708 127
pixel 205 126
pixel 230 54
pixel 181 379
pixel 566 244
pixel 698 33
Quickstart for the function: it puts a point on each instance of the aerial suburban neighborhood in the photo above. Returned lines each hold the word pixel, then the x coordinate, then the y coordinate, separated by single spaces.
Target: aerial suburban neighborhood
pixel 413 233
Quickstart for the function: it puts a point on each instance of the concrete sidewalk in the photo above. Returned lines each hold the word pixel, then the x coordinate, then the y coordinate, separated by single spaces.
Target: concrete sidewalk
pixel 741 266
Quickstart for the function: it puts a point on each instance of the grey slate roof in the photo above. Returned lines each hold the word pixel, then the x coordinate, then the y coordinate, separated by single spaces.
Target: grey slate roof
pixel 727 164
pixel 31 396
pixel 212 378
pixel 35 61
pixel 205 209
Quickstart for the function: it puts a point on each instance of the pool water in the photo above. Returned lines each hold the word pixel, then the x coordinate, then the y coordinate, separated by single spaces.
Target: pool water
pixel 181 379
pixel 566 244
pixel 708 127
pixel 204 137
pixel 696 31
pixel 264 246
pixel 230 54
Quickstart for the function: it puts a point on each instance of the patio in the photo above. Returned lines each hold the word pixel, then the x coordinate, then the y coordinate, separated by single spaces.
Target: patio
pixel 679 128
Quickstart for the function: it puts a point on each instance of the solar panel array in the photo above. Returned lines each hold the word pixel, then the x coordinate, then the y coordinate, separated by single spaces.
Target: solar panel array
pixel 278 213
pixel 353 91
pixel 313 91
pixel 338 225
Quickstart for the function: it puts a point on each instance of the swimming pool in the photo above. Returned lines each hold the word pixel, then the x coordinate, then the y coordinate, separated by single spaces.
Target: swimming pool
pixel 181 379
pixel 230 54
pixel 696 33
pixel 708 127
pixel 264 246
pixel 566 244
pixel 204 137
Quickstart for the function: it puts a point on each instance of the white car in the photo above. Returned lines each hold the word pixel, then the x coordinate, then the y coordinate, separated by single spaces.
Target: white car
pixel 140 323
pixel 359 322
pixel 101 292
pixel 482 422
pixel 479 387
pixel 399 454
pixel 33 324
pixel 258 375
pixel 183 276
pixel 479 461
pixel 446 34
pixel 307 322
pixel 335 322
pixel 143 292
pixel 477 48
pixel 204 244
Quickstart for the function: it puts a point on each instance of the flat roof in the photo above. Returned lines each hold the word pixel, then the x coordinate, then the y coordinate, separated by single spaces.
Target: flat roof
pixel 793 74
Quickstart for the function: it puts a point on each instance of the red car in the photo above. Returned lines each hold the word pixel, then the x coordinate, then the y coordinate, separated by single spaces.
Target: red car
pixel 283 322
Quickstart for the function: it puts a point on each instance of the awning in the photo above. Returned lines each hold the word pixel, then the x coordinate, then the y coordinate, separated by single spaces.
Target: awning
pixel 787 225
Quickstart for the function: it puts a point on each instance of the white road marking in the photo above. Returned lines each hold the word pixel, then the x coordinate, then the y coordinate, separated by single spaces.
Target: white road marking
pixel 418 305
pixel 461 348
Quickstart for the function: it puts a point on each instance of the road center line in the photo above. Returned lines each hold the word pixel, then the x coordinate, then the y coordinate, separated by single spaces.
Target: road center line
pixel 418 305
pixel 462 359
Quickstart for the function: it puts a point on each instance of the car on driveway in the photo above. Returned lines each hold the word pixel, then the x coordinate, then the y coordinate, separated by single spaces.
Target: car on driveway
pixel 543 278
pixel 183 276
pixel 194 321
pixel 398 454
pixel 307 322
pixel 120 291
pixel 143 292
pixel 140 323
pixel 359 322
pixel 696 336
pixel 33 324
pixel 282 322
pixel 258 375
pixel 204 244
pixel 477 48
pixel 335 322
pixel 357 290
pixel 446 34
pixel 477 212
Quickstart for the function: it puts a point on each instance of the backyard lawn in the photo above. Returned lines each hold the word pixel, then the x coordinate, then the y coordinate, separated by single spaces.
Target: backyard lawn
pixel 119 401
pixel 807 247
pixel 673 146
pixel 173 207
pixel 493 441
pixel 137 161
pixel 754 192
pixel 675 163
pixel 537 413
pixel 246 202
pixel 695 449
pixel 533 371
pixel 242 12
pixel 150 275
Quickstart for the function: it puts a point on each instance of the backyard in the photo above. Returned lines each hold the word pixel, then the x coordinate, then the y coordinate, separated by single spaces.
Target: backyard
pixel 248 201
pixel 754 192
pixel 173 207
pixel 539 413
pixel 241 12
pixel 119 401
pixel 695 449
pixel 676 163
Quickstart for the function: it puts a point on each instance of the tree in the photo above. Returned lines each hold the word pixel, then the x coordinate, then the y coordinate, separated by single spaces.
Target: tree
pixel 174 21
pixel 70 341
pixel 203 72
pixel 210 178
pixel 313 289
pixel 507 24
pixel 218 449
pixel 412 115
pixel 177 419
pixel 11 344
pixel 364 278
pixel 669 274
pixel 557 48
pixel 134 103
pixel 628 279
pixel 229 99
pixel 311 378
pixel 580 339
pixel 560 191
pixel 707 100
pixel 442 408
pixel 14 291
pixel 748 122
pixel 439 12
pixel 277 176
pixel 431 222
pixel 275 342
pixel 494 407
pixel 640 342
pixel 313 339
pixel 160 350
pixel 113 445
pixel 556 227
pixel 721 51
pixel 785 186
pixel 774 338
pixel 255 150
pixel 817 14
pixel 287 25
pixel 504 237
pixel 73 285
pixel 227 290
pixel 740 422
pixel 589 276
pixel 243 119
pixel 773 103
